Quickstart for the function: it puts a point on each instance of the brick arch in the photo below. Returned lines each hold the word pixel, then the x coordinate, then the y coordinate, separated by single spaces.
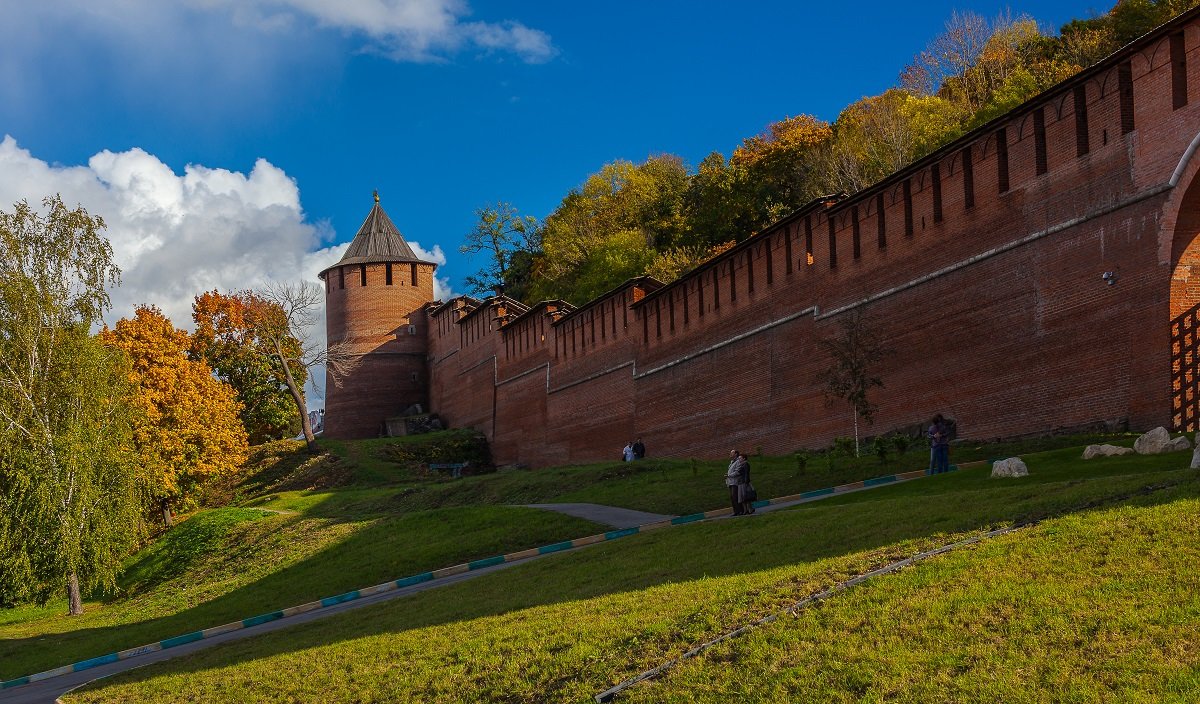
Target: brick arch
pixel 1185 258
pixel 1024 125
pixel 1181 223
pixel 1156 56
pixel 1108 82
pixel 1059 103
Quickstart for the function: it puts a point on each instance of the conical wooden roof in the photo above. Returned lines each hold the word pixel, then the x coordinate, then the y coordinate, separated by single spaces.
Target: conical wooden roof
pixel 378 240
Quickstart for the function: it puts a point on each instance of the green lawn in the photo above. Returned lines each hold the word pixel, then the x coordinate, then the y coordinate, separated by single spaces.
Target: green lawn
pixel 568 626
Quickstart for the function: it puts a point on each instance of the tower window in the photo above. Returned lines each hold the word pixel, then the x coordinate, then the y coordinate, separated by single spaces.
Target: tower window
pixel 341 277
pixel 414 273
pixel 362 274
pixel 388 273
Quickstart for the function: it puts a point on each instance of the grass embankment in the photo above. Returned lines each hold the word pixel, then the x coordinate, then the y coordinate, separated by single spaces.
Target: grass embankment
pixel 1098 603
pixel 380 484
pixel 225 564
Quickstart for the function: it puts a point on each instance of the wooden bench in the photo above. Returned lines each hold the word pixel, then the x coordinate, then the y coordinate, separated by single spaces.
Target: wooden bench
pixel 455 468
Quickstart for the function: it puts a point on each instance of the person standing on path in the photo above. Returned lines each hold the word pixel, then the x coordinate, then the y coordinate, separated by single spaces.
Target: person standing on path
pixel 738 467
pixel 939 445
pixel 746 491
pixel 639 450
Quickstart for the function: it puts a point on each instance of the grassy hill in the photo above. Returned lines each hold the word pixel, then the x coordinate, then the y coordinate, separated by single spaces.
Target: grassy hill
pixel 1097 603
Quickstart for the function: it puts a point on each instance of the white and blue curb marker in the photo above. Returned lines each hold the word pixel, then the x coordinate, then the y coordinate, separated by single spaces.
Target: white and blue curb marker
pixel 447 572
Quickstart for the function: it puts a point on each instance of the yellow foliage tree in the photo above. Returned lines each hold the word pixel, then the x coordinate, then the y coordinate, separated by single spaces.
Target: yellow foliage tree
pixel 188 427
pixel 782 141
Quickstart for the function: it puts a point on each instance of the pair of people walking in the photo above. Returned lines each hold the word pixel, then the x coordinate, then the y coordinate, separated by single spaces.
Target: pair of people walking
pixel 633 451
pixel 737 478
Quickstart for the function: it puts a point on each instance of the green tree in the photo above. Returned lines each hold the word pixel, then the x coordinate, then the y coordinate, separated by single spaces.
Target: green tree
pixel 717 205
pixel 225 340
pixel 610 228
pixel 69 493
pixel 501 235
pixel 855 354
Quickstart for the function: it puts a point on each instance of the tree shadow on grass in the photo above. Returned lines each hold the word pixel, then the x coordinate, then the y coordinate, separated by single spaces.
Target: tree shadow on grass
pixel 708 550
pixel 379 551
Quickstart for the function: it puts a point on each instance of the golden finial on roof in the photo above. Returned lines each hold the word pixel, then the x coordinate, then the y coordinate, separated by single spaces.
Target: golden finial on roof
pixel 376 194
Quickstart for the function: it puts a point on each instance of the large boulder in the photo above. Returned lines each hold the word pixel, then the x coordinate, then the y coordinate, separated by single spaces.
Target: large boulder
pixel 1011 467
pixel 1092 451
pixel 1154 442
pixel 1196 458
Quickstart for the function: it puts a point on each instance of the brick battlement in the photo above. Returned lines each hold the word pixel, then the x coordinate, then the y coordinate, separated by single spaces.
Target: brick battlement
pixel 980 264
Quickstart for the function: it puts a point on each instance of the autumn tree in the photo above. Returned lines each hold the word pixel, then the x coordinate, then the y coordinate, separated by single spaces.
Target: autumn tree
pixel 188 428
pixel 855 352
pixel 781 167
pixel 501 235
pixel 70 504
pixel 225 340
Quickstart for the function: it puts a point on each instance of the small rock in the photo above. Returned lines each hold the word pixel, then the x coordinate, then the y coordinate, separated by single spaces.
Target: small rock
pixel 1154 442
pixel 1011 467
pixel 1180 443
pixel 1092 451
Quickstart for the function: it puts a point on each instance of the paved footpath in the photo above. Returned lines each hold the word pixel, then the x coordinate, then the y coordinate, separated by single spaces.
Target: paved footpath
pixel 628 522
pixel 605 515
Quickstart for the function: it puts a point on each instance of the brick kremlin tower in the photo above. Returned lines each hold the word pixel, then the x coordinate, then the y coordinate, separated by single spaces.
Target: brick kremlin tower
pixel 374 299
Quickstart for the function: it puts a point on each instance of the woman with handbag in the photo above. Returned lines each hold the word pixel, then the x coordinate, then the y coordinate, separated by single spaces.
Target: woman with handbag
pixel 746 491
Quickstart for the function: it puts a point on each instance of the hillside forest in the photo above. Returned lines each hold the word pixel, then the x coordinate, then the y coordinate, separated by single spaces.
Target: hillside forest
pixel 663 217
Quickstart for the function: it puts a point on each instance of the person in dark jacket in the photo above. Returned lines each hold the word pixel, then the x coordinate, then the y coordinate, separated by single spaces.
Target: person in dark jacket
pixel 939 445
pixel 746 492
pixel 639 450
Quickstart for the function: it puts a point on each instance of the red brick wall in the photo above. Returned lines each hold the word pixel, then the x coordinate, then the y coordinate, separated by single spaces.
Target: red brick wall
pixel 996 311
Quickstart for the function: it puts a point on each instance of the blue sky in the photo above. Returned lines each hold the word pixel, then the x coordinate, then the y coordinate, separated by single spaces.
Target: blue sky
pixel 228 142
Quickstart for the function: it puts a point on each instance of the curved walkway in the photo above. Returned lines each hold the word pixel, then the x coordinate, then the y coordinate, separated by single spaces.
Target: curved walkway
pixel 605 515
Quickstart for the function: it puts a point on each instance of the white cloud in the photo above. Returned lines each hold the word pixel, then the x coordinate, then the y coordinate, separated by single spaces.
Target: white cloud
pixel 419 30
pixel 242 35
pixel 175 236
